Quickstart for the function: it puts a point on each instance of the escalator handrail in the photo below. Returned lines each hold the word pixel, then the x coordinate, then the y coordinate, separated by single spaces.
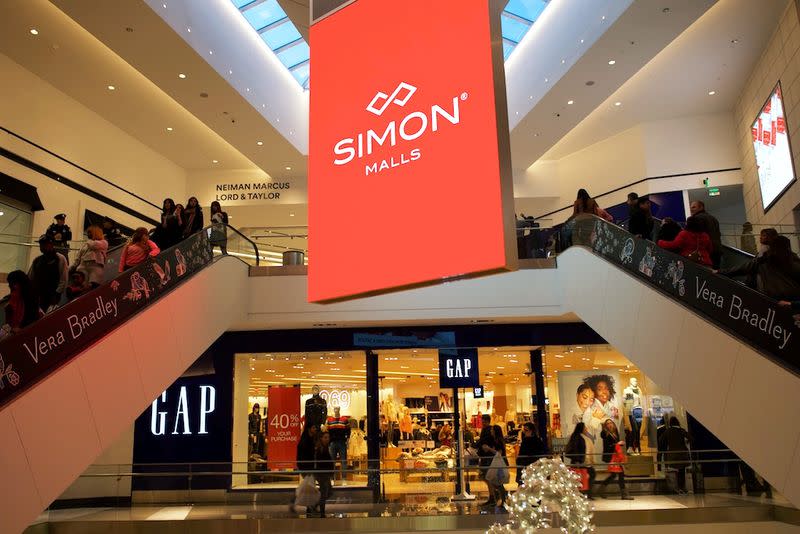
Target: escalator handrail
pixel 39 349
pixel 767 328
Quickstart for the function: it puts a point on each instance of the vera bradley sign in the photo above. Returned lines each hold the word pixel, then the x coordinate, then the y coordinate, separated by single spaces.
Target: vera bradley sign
pixel 31 354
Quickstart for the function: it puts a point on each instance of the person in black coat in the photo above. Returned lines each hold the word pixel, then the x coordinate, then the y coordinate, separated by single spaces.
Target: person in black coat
pixel 531 449
pixel 323 470
pixel 484 456
pixel 575 452
pixel 675 444
pixel 641 221
pixel 306 455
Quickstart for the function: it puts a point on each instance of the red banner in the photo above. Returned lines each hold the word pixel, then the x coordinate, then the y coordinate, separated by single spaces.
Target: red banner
pixel 283 427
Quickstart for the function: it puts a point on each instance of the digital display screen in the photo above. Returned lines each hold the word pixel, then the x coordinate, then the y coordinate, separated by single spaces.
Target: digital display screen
pixel 773 150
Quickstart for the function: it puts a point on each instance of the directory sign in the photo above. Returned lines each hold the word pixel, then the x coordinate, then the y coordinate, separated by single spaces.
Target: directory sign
pixel 409 163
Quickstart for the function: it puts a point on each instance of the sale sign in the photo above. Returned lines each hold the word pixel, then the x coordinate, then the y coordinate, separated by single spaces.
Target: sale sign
pixel 283 426
pixel 409 163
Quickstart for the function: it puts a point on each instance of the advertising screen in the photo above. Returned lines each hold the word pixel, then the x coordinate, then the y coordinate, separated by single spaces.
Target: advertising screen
pixel 773 150
pixel 409 163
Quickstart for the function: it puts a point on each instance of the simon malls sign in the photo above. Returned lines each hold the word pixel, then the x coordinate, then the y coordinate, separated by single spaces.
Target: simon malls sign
pixel 409 162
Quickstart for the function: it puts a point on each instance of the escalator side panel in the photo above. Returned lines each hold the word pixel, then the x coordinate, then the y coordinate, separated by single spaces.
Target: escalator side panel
pixel 745 399
pixel 66 420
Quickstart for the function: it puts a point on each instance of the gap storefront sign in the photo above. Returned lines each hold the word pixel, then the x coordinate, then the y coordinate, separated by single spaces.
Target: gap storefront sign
pixel 409 163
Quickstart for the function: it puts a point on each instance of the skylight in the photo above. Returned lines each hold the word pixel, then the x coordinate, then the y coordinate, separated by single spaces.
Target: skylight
pixel 517 19
pixel 280 35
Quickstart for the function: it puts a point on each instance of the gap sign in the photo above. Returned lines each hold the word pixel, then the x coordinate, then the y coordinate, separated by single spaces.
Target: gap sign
pixel 458 368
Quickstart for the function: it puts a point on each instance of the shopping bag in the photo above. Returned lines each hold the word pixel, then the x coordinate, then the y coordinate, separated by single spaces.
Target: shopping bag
pixel 498 470
pixel 307 493
pixel 584 474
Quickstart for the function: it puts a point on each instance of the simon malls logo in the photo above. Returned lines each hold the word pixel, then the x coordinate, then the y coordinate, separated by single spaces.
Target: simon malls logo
pixel 411 128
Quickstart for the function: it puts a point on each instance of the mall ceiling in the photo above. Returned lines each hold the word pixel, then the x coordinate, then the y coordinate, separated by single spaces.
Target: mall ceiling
pixel 660 69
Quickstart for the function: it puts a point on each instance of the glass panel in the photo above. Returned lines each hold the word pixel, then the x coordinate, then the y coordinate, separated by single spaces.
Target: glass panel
pixel 301 73
pixel 281 35
pixel 15 227
pixel 527 9
pixel 241 3
pixel 513 29
pixel 294 55
pixel 264 14
pixel 508 47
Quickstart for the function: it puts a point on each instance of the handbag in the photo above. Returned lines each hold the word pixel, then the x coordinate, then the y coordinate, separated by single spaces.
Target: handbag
pixel 498 470
pixel 307 493
pixel 696 256
pixel 584 474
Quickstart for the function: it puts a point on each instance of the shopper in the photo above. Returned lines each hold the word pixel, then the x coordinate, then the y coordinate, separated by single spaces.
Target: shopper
pixel 765 238
pixel 112 233
pixel 614 456
pixel 169 231
pixel 323 469
pixel 586 204
pixel 77 285
pixel 641 222
pixel 776 272
pixel 692 243
pixel 23 303
pixel 575 452
pixel 484 445
pixel 748 240
pixel 531 449
pixel 668 230
pixel 675 444
pixel 632 202
pixel 306 450
pixel 446 435
pixel 192 217
pixel 219 232
pixel 91 258
pixel 48 274
pixel 138 250
pixel 495 446
pixel 709 225
pixel 60 234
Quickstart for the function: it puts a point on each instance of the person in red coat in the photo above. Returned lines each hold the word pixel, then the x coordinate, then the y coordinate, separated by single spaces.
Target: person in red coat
pixel 692 243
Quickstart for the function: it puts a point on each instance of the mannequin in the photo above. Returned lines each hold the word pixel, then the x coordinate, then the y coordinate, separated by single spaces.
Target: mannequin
pixel 634 413
pixel 405 423
pixel 253 428
pixel 339 429
pixel 390 409
pixel 316 408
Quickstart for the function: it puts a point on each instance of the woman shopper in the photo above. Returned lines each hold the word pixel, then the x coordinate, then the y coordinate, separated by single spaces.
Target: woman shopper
pixel 675 443
pixel 614 456
pixel 776 273
pixel 306 455
pixel 138 250
pixel 23 303
pixel 91 258
pixel 323 470
pixel 531 449
pixel 219 232
pixel 575 452
pixel 192 217
pixel 496 446
pixel 169 231
pixel 586 204
pixel 692 242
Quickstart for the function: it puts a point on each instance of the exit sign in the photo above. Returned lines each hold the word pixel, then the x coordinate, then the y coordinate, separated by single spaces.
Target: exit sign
pixel 713 191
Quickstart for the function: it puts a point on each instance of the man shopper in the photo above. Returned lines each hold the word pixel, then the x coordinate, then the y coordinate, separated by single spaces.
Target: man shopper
pixel 632 202
pixel 531 449
pixel 61 234
pixel 711 226
pixel 48 274
pixel 641 222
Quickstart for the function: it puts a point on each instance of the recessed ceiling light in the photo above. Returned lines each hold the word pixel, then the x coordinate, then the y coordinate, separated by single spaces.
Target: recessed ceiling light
pixel 210 52
pixel 182 76
pixel 111 88
pixel 603 17
pixel 617 103
pixel 563 61
pixel 260 143
pixel 288 168
pixel 230 72
pixel 611 361
pixel 34 31
pixel 536 135
pixel 712 93
pixel 189 30
pixel 582 41
pixel 611 62
pixel 169 128
pixel 291 215
pixel 559 356
pixel 570 102
pixel 567 365
pixel 546 80
pixel 214 161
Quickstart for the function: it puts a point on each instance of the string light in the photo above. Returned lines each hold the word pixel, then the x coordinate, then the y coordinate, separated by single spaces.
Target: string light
pixel 548 486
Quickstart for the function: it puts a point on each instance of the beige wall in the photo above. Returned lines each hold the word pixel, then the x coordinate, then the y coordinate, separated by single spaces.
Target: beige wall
pixel 780 61
pixel 34 109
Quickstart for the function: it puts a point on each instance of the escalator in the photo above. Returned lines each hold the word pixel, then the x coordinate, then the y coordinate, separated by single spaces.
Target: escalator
pixel 72 382
pixel 729 353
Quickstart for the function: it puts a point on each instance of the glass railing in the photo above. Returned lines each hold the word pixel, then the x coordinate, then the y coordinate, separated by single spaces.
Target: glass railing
pixel 744 313
pixel 69 329
pixel 653 480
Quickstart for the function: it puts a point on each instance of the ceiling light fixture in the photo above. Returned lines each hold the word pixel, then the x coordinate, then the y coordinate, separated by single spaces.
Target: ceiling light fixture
pixel 570 102
pixel 34 31
pixel 611 62
pixel 169 128
pixel 288 168
pixel 712 93
pixel 617 103
pixel 214 161
pixel 111 88
pixel 182 76
pixel 260 143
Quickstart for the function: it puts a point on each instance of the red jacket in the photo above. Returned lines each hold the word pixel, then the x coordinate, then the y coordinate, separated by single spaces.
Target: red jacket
pixel 618 459
pixel 687 242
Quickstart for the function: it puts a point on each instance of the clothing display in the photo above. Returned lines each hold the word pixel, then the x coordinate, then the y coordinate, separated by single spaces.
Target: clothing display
pixel 339 429
pixel 389 409
pixel 316 410
pixel 357 444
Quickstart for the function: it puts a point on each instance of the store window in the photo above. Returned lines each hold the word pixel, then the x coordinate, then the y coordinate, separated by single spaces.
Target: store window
pixel 15 227
pixel 277 395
